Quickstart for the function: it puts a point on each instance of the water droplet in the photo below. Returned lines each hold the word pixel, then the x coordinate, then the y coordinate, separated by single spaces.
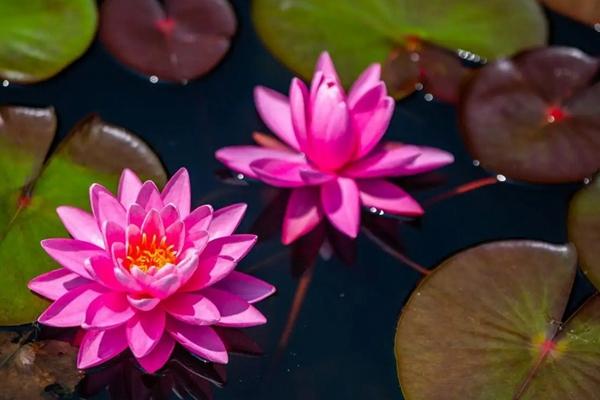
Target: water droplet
pixel 5 83
pixel 240 177
pixel 597 27
pixel 342 295
pixel 476 163
pixel 154 79
pixel 414 57
pixel 418 293
pixel 288 370
pixel 428 97
pixel 586 181
pixel 501 178
pixel 418 86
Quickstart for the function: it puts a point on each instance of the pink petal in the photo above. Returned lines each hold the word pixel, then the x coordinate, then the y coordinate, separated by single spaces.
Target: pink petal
pixel 107 311
pixel 113 233
pixel 129 187
pixel 178 192
pixel 388 197
pixel 153 226
pixel 234 311
pixel 99 346
pixel 200 340
pixel 226 220
pixel 302 214
pixel 175 235
pixel 199 219
pixel 106 207
pixel 274 110
pixel 325 65
pixel 299 103
pixel 341 205
pixel 234 246
pixel 69 309
pixel 136 215
pixel 71 253
pixel 186 268
pixel 169 215
pixel 56 283
pixel 144 303
pixel 280 173
pixel 248 288
pixel 368 102
pixel 331 143
pixel 429 160
pixel 104 271
pixel 80 224
pixel 144 331
pixel 149 197
pixel 159 356
pixel 239 158
pixel 387 160
pixel 372 129
pixel 126 280
pixel 192 308
pixel 369 78
pixel 314 177
pixel 210 270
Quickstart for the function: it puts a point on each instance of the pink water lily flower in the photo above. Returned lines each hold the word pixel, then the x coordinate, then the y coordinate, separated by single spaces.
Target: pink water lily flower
pixel 143 272
pixel 331 156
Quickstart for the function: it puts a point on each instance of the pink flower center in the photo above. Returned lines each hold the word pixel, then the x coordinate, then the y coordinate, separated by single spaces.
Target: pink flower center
pixel 148 253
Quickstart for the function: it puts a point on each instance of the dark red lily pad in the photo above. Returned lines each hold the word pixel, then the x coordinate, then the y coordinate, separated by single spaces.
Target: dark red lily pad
pixel 27 370
pixel 486 324
pixel 536 118
pixel 174 40
pixel 584 229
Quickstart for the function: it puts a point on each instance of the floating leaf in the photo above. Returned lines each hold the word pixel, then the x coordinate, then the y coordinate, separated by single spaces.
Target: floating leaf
pixel 536 117
pixel 486 325
pixel 38 38
pixel 587 11
pixel 94 151
pixel 28 370
pixel 359 32
pixel 177 41
pixel 584 229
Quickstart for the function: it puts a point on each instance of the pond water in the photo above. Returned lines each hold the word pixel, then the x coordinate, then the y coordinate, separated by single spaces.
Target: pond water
pixel 341 346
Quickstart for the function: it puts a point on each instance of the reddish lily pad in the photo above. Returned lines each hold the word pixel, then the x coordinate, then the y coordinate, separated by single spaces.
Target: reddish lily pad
pixel 38 38
pixel 360 32
pixel 536 118
pixel 177 41
pixel 486 325
pixel 586 11
pixel 26 370
pixel 584 229
pixel 94 151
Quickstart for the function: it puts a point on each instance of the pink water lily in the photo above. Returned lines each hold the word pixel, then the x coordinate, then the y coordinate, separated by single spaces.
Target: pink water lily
pixel 331 156
pixel 143 272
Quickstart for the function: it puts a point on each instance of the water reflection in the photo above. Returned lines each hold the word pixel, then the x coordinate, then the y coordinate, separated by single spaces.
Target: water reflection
pixel 183 377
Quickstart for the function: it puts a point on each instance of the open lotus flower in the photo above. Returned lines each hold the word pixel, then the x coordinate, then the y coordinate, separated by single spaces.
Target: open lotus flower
pixel 144 272
pixel 332 157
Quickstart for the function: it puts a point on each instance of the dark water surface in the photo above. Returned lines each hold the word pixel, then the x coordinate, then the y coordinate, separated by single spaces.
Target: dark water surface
pixel 342 345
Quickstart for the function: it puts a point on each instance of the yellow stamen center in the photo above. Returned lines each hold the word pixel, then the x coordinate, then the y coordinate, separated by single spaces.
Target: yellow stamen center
pixel 148 253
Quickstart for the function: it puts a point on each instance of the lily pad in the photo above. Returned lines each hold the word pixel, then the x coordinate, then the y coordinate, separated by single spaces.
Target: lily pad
pixel 94 151
pixel 38 38
pixel 175 40
pixel 27 370
pixel 535 118
pixel 584 229
pixel 586 11
pixel 360 32
pixel 486 324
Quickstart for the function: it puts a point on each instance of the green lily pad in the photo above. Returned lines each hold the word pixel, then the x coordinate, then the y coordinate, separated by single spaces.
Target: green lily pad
pixel 94 151
pixel 38 38
pixel 360 32
pixel 584 229
pixel 486 325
